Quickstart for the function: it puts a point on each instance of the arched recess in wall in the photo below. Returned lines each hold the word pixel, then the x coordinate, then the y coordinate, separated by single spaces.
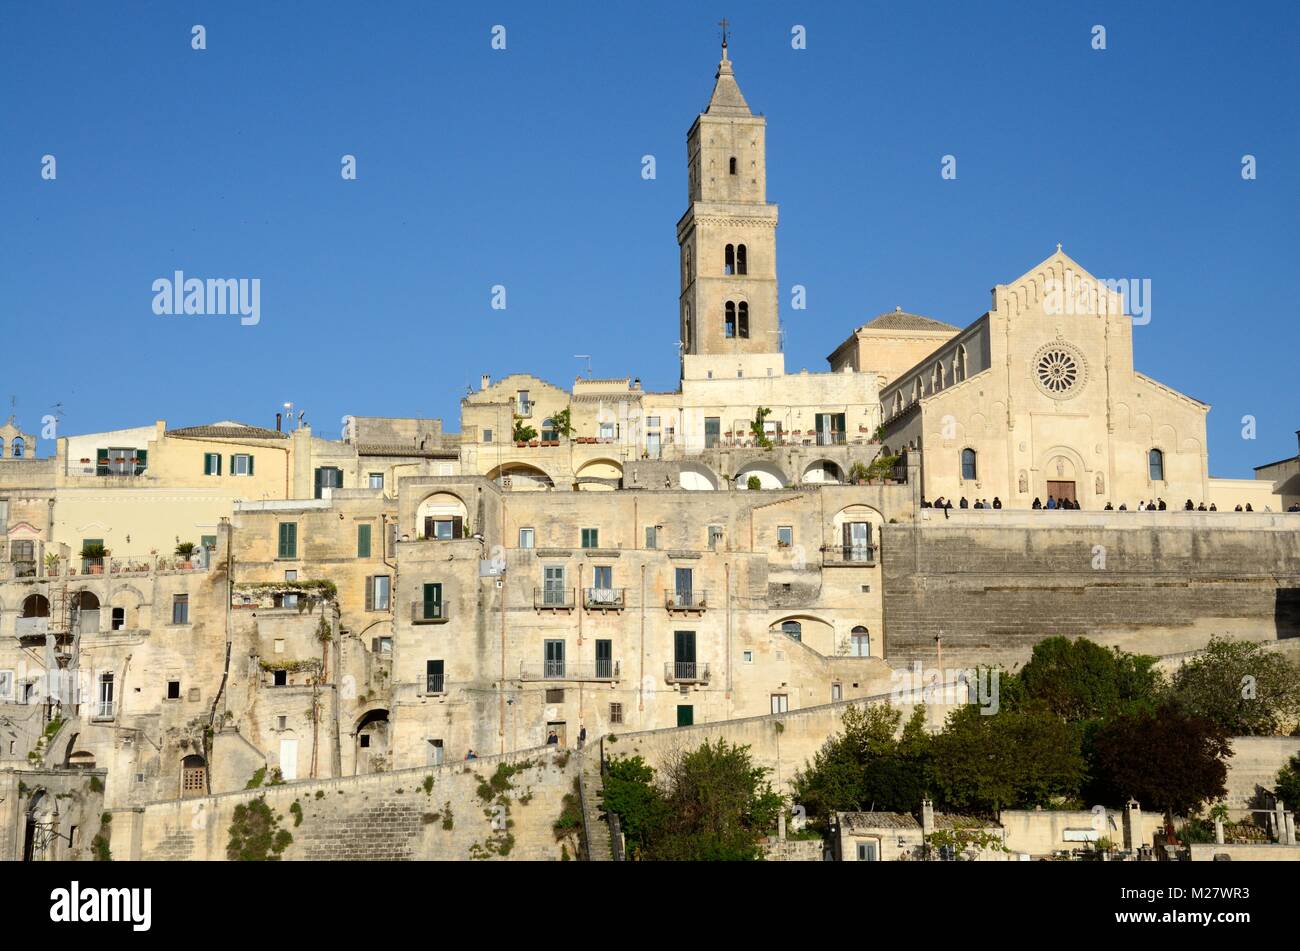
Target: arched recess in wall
pixel 124 609
pixel 441 515
pixel 697 478
pixel 599 475
pixel 813 631
pixel 769 475
pixel 521 477
pixel 822 472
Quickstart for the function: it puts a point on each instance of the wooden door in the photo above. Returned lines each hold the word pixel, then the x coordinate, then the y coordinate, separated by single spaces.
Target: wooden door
pixel 1061 490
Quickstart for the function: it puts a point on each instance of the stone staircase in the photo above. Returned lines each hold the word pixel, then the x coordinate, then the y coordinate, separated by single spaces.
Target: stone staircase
pixel 599 844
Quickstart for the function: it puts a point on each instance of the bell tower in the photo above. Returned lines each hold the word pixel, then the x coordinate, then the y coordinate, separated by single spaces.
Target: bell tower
pixel 728 303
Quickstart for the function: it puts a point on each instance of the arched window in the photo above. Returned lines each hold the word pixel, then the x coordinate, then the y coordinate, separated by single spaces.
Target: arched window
pixel 968 464
pixel 898 403
pixel 729 263
pixel 548 430
pixel 936 378
pixel 1156 465
pixel 744 319
pixel 742 265
pixel 792 629
pixel 194 776
pixel 918 390
pixel 959 365
pixel 733 165
pixel 860 642
pixel 19 445
pixel 730 325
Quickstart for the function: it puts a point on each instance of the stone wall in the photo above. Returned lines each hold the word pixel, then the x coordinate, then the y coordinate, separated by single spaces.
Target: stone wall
pixel 1254 766
pixel 995 583
pixel 382 816
pixel 782 742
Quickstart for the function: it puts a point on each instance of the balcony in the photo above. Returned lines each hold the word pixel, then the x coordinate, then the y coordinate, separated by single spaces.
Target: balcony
pixel 603 599
pixel 601 671
pixel 685 601
pixel 102 710
pixel 553 598
pixel 31 626
pixel 435 683
pixel 686 672
pixel 422 613
pixel 860 556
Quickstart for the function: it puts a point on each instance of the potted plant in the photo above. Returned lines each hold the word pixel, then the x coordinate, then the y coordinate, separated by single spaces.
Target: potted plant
pixel 858 474
pixel 93 555
pixel 51 563
pixel 185 551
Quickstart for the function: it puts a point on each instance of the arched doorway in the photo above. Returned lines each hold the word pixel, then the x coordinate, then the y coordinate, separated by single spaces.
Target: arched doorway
pixel 372 742
pixel 194 776
pixel 85 612
pixel 41 830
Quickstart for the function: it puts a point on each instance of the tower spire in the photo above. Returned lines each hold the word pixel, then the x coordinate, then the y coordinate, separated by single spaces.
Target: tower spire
pixel 724 23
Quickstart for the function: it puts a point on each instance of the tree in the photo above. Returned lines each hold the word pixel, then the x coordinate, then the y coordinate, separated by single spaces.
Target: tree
pixel 629 792
pixel 720 805
pixel 523 432
pixel 867 766
pixel 1080 680
pixel 1239 685
pixel 1166 759
pixel 758 430
pixel 710 804
pixel 562 422
pixel 1014 758
pixel 1288 784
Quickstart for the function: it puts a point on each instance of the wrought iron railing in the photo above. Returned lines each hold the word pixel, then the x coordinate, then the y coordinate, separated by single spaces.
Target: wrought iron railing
pixel 685 600
pixel 686 671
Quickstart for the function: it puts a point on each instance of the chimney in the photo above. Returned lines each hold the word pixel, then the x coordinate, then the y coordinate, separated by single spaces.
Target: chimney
pixel 278 420
pixel 485 382
pixel 1133 835
pixel 927 818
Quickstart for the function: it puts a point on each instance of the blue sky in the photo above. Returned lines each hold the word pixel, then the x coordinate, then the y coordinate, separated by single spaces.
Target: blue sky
pixel 522 168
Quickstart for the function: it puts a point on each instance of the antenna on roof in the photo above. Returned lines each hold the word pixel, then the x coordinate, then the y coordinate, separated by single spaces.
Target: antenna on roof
pixel 587 357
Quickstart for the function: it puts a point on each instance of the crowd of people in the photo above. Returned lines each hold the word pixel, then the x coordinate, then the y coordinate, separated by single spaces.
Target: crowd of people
pixel 1151 505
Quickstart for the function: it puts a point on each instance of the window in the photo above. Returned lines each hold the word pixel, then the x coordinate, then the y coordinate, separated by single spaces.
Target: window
pixel 241 464
pixel 555 695
pixel 744 319
pixel 715 537
pixel 590 538
pixel 487 435
pixel 208 541
pixel 602 580
pixel 364 741
pixel 281 723
pixel 652 536
pixel 748 657
pixel 837 693
pixel 377 591
pixel 278 645
pixel 363 541
pixel 279 678
pixel 6 684
pixel 526 537
pixel 212 463
pixel 860 642
pixel 523 404
pixel 784 536
pixel 968 464
pixel 181 609
pixel 792 629
pixel 432 602
pixel 733 165
pixel 376 480
pixel 173 690
pixel 548 430
pixel 1156 465
pixel 605 659
pixel 288 540
pixel 553 658
pixel 328 477
pixel 435 751
pixel 729 260
pixel 288 600
pixel 105 706
pixel 444 529
pixel 608 430
pixel 118 619
pixel 867 851
pixel 683 582
pixel 780 703
pixel 712 431
pixel 553 591
pixel 729 325
pixel 616 713
pixel 685 714
pixel 433 679
pixel 742 266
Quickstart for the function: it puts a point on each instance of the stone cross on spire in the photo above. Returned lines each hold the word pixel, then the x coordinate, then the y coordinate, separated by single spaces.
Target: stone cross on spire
pixel 724 23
